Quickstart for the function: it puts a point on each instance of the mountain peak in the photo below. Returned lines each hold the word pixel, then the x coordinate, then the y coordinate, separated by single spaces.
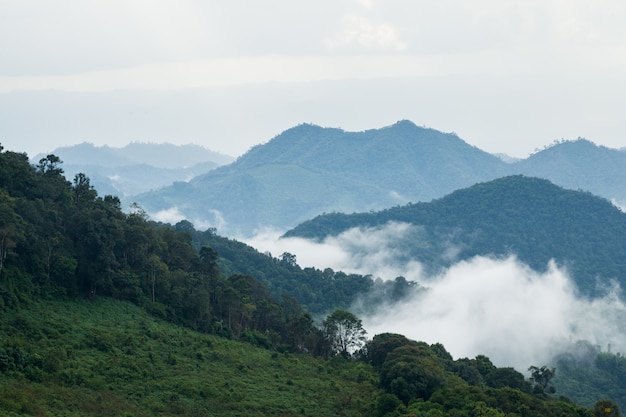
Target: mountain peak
pixel 404 124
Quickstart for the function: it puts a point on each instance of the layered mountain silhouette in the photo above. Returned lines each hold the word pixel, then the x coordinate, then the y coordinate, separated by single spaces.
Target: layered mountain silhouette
pixel 136 167
pixel 308 170
pixel 580 165
pixel 530 218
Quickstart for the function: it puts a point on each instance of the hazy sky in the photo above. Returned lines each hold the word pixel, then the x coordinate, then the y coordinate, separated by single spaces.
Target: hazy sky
pixel 506 76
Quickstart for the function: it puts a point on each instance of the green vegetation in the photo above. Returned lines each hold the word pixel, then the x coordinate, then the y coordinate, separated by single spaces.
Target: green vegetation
pixel 60 239
pixel 105 357
pixel 105 313
pixel 111 358
pixel 318 291
pixel 423 380
pixel 308 170
pixel 586 373
pixel 527 217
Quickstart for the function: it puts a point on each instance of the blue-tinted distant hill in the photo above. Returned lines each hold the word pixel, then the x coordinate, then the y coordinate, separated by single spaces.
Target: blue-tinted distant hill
pixel 136 167
pixel 580 164
pixel 308 170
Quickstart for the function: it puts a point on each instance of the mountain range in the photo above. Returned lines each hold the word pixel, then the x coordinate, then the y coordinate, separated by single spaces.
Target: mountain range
pixel 308 170
pixel 137 167
pixel 68 252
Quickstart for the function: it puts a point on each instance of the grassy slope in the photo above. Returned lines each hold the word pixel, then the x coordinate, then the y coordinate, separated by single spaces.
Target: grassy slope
pixel 101 358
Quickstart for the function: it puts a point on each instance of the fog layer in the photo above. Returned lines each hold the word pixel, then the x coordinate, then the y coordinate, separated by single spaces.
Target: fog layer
pixel 496 307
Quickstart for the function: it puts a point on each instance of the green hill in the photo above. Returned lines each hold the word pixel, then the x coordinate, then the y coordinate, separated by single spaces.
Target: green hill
pixel 110 358
pixel 308 170
pixel 530 218
pixel 104 313
pixel 580 165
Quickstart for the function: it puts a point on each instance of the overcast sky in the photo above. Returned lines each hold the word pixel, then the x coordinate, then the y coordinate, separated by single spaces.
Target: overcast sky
pixel 506 76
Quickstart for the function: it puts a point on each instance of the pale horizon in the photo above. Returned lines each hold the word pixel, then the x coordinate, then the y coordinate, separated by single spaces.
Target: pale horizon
pixel 507 77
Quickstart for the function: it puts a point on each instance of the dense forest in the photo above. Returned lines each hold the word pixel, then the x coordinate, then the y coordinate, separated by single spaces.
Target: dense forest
pixel 530 218
pixel 108 313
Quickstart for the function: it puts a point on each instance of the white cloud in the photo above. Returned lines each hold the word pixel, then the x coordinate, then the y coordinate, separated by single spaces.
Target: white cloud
pixel 499 308
pixel 171 216
pixel 506 311
pixel 369 251
pixel 362 32
pixel 368 4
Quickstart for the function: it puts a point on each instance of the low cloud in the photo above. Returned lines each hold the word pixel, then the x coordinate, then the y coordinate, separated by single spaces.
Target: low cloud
pixel 171 215
pixel 505 310
pixel 497 307
pixel 375 251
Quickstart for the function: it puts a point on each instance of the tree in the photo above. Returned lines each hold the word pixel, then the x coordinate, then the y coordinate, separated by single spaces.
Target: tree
pixel 83 189
pixel 606 408
pixel 50 165
pixel 541 376
pixel 289 259
pixel 345 332
pixel 412 371
pixel 382 344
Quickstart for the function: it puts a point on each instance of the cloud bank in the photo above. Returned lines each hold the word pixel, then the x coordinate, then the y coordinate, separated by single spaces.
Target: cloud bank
pixel 503 309
pixel 497 307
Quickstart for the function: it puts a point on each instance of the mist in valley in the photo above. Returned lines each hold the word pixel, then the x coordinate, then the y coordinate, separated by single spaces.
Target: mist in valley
pixel 497 307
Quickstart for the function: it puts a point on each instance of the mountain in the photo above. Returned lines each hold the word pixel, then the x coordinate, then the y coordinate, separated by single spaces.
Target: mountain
pixel 136 167
pixel 107 313
pixel 160 155
pixel 529 217
pixel 309 170
pixel 580 164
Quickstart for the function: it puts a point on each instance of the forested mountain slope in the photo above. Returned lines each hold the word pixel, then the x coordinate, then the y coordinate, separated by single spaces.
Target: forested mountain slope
pixel 107 313
pixel 308 170
pixel 580 165
pixel 528 217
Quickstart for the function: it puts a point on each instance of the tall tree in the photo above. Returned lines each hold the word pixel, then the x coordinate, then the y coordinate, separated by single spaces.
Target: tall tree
pixel 541 376
pixel 345 332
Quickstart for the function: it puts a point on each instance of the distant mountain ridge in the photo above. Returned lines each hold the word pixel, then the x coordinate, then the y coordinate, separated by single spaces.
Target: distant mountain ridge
pixel 308 170
pixel 136 167
pixel 580 164
pixel 160 155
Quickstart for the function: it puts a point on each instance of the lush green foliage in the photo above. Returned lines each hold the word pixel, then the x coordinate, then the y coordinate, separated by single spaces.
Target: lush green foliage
pixel 110 358
pixel 105 357
pixel 308 170
pixel 61 239
pixel 527 217
pixel 423 380
pixel 345 332
pixel 318 291
pixel 68 348
pixel 587 374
